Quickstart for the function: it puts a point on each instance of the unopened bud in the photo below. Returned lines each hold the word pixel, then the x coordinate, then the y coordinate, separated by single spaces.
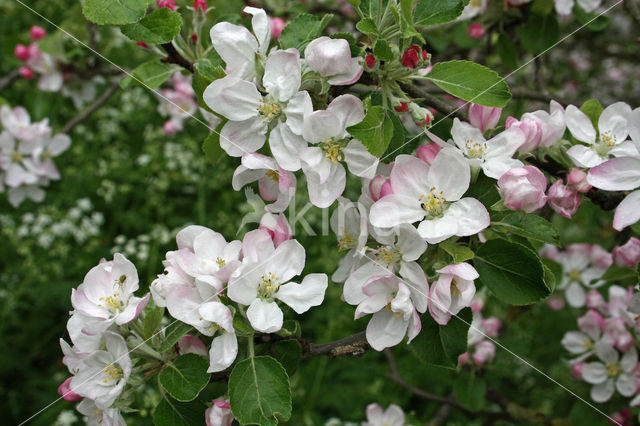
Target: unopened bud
pixel 25 72
pixel 475 30
pixel 37 33
pixel 22 52
pixel 370 61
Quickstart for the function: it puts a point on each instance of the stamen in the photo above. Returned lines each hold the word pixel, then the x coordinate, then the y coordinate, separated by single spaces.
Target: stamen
pixel 332 150
pixel 269 284
pixel 273 175
pixel 475 149
pixel 433 203
pixel 268 111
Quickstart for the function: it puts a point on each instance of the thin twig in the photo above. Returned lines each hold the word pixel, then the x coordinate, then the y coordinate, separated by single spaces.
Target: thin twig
pixel 174 57
pixel 106 95
pixel 9 78
pixel 440 105
pixel 354 345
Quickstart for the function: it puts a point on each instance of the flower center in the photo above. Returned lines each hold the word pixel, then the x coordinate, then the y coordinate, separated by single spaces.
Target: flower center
pixel 268 110
pixel 332 150
pixel 433 203
pixel 113 373
pixel 475 149
pixel 348 241
pixel 214 327
pixel 475 3
pixel 454 288
pixel 269 284
pixel 574 275
pixel 613 370
pixel 273 175
pixel 16 157
pixel 587 344
pixel 221 262
pixel 113 303
pixel 388 254
pixel 609 139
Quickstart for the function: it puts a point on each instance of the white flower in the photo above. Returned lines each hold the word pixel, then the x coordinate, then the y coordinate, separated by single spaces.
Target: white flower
pixel 564 7
pixel 100 417
pixel 331 58
pixel 431 195
pixel 611 374
pixel 264 277
pixel 453 291
pixel 612 128
pixel 350 224
pixel 493 155
pixel 104 373
pixel 392 416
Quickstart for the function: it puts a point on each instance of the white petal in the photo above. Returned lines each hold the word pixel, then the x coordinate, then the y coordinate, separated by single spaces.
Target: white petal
pixel 320 126
pixel 301 297
pixel 594 372
pixel 580 125
pixel 395 209
pixel 223 352
pixel 265 317
pixel 410 242
pixel 626 385
pixel 574 342
pixel 410 176
pixel 261 26
pixel 576 296
pixel 233 98
pixel 416 280
pixel 627 212
pixel 287 261
pixel 450 174
pixel 613 121
pixel 385 329
pixel 323 194
pixel 584 156
pixel 437 230
pixel 349 110
pixel 471 215
pixel 360 161
pixel 237 47
pixel 282 74
pixel 297 109
pixel 219 313
pixel 602 392
pixel 617 174
pixel 242 137
pixel 286 147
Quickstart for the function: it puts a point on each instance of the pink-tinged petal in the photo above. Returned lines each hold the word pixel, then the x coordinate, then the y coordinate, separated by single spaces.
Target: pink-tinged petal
pixel 320 126
pixel 282 76
pixel 415 326
pixel 462 270
pixel 241 137
pixel 265 317
pixel 257 161
pixel 385 329
pixel 359 160
pixel 223 352
pixel 235 99
pixel 393 416
pixel 472 216
pixel 575 342
pixel 297 109
pixel 627 212
pixel 64 390
pixel 594 372
pixel 352 75
pixel 374 412
pixel 268 189
pixel 580 125
pixel 286 147
pixel 584 156
pixel 353 290
pixel 409 176
pixel 438 230
pixel 186 236
pixel 602 392
pixel 209 245
pixel 59 143
pixel 613 121
pixel 450 174
pixel 301 297
pixel 237 47
pixel 261 27
pixel 371 305
pixel 617 174
pixel 243 176
pixel 348 109
pixel 287 261
pixel 416 281
pixel 323 193
pixel 395 209
pixel 257 246
pixel 440 299
pixel 328 56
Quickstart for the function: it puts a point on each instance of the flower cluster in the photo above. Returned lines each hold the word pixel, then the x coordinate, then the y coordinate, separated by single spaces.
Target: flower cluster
pixel 26 155
pixel 481 349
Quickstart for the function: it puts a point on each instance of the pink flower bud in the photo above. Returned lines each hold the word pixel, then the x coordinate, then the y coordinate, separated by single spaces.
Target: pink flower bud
pixel 600 257
pixel 627 255
pixel 594 300
pixel 483 117
pixel 411 56
pixel 171 4
pixel 370 62
pixel 278 229
pixel 427 153
pixel 64 390
pixel 377 185
pixel 491 326
pixel 25 72
pixel 331 58
pixel 277 25
pixel 37 33
pixel 576 370
pixel 477 305
pixel 485 351
pixel 578 179
pixel 22 52
pixel 475 30
pixel 463 358
pixel 200 5
pixel 402 107
pixel 170 128
pixel 189 344
pixel 421 116
pixel 563 200
pixel 620 418
pixel 555 303
pixel 219 414
pixel 523 189
pixel 530 126
pixel 591 322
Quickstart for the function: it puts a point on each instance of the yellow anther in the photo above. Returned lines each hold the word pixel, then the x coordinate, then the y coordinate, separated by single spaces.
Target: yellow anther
pixel 113 373
pixel 613 370
pixel 269 284
pixel 608 139
pixel 433 203
pixel 454 288
pixel 113 303
pixel 268 111
pixel 16 157
pixel 587 344
pixel 475 149
pixel 388 255
pixel 333 151
pixel 574 275
pixel 221 262
pixel 273 175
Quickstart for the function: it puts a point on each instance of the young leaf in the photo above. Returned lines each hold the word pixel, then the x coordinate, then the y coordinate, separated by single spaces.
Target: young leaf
pixel 513 272
pixel 301 30
pixel 152 319
pixel 459 252
pixel 367 26
pixel 160 26
pixel 471 82
pixel 185 377
pixel 530 226
pixel 592 109
pixel 172 333
pixel 374 131
pixel 382 51
pixel 259 391
pixel 211 145
pixel 470 390
pixel 507 51
pixel 150 74
pixel 435 12
pixel 453 336
pixel 115 12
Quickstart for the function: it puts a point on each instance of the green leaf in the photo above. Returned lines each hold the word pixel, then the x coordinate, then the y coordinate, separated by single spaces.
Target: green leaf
pixel 115 12
pixel 542 7
pixel 152 319
pixel 301 30
pixel 259 391
pixel 513 272
pixel 470 390
pixel 382 51
pixel 596 22
pixel 211 145
pixel 170 412
pixel 615 274
pixel 288 353
pixel 592 109
pixel 539 33
pixel 398 143
pixel 442 345
pixel 458 252
pixel 185 377
pixel 204 72
pixel 374 131
pixel 150 74
pixel 529 226
pixel 172 333
pixel 507 51
pixel 367 26
pixel 484 190
pixel 552 273
pixel 471 82
pixel 453 336
pixel 290 328
pixel 160 26
pixel 436 12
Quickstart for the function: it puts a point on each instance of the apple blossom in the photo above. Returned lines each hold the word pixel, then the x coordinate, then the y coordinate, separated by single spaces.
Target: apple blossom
pixel 562 199
pixel 219 414
pixel 274 183
pixel 44 64
pixel 627 255
pixel 322 162
pixel 264 277
pixel 612 127
pixel 453 291
pixel 100 417
pixel 582 342
pixel 523 188
pixel 564 7
pixel 613 373
pixel 278 228
pixel 277 25
pixel 431 195
pixel 428 153
pixel 493 155
pixel 104 373
pixel 380 186
pixel 484 352
pixel 473 9
pixel 531 128
pixel 36 32
pixel 331 58
pixel 376 416
pixel 64 390
pixel 106 294
pixel 578 179
pixel 483 117
pixel 349 223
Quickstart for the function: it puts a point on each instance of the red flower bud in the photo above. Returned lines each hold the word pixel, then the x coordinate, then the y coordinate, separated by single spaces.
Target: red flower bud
pixel 22 52
pixel 410 57
pixel 171 4
pixel 142 44
pixel 200 4
pixel 26 72
pixel 370 61
pixel 194 38
pixel 37 32
pixel 403 107
pixel 475 30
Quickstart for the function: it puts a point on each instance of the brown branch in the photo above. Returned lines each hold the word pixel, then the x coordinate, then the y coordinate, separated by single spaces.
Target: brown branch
pixel 175 57
pixel 106 95
pixel 354 345
pixel 9 78
pixel 440 105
